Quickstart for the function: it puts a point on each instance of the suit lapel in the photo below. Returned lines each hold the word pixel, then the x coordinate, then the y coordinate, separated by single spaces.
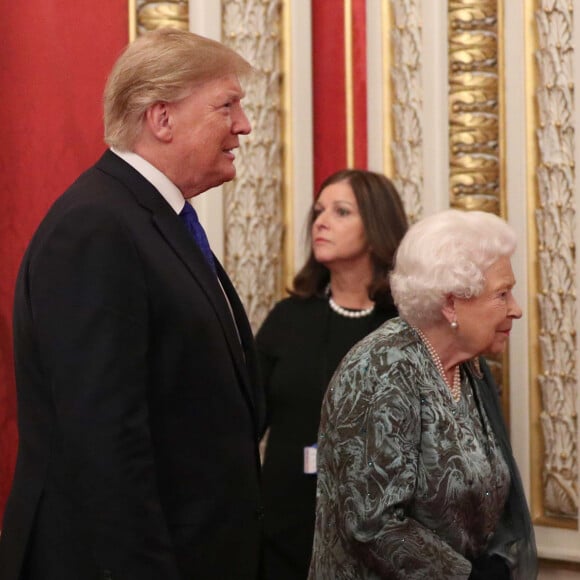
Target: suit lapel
pixel 184 246
pixel 168 224
pixel 248 366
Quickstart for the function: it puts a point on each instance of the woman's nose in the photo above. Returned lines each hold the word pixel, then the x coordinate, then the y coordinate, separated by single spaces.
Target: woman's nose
pixel 515 310
pixel 320 221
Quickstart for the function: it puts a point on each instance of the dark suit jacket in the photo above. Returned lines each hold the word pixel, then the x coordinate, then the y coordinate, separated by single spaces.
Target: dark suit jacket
pixel 139 416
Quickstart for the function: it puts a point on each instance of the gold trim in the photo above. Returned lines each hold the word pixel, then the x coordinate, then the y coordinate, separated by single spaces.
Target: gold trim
pixel 477 122
pixel 147 15
pixel 404 79
pixel 132 20
pixel 254 201
pixel 474 165
pixel 535 162
pixel 348 84
pixel 503 210
pixel 536 439
pixel 387 85
pixel 288 152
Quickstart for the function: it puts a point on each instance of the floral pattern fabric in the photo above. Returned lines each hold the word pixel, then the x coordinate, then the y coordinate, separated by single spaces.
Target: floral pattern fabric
pixel 411 485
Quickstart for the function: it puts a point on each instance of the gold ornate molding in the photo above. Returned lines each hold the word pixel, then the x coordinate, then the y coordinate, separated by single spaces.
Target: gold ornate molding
pixel 147 15
pixel 288 185
pixel 476 139
pixel 406 103
pixel 254 201
pixel 349 81
pixel 555 500
pixel 474 112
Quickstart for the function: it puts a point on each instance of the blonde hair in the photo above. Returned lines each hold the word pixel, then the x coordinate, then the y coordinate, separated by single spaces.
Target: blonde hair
pixel 162 65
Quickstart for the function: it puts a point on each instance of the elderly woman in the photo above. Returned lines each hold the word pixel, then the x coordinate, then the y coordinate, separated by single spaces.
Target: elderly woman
pixel 416 478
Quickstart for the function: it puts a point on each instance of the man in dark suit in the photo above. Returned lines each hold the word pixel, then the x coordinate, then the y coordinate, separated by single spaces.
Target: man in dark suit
pixel 139 417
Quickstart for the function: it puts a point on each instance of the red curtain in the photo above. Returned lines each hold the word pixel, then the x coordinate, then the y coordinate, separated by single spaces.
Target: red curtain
pixel 56 55
pixel 330 86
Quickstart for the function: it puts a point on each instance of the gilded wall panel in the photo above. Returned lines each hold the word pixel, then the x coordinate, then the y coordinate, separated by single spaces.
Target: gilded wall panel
pixel 555 216
pixel 147 15
pixel 254 201
pixel 475 122
pixel 407 104
pixel 474 109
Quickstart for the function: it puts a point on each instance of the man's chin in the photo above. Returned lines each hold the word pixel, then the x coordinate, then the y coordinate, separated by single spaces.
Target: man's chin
pixel 228 175
pixel 223 178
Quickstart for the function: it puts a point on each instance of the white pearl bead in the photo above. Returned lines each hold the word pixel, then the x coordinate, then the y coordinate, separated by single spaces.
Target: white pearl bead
pixel 349 313
pixel 455 387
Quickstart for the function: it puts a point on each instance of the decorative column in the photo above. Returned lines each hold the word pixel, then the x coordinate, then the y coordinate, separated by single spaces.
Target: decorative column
pixel 147 15
pixel 407 104
pixel 475 123
pixel 555 214
pixel 254 200
pixel 474 108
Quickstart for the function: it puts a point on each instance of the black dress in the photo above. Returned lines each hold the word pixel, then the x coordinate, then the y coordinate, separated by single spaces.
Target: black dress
pixel 300 345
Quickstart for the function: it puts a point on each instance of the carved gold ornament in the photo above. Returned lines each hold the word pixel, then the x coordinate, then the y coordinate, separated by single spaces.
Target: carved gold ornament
pixel 407 104
pixel 474 114
pixel 253 201
pixel 145 15
pixel 556 232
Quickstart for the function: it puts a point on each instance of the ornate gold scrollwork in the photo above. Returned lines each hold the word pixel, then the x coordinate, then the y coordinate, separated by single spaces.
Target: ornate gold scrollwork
pixel 555 289
pixel 475 162
pixel 406 141
pixel 148 15
pixel 474 114
pixel 253 217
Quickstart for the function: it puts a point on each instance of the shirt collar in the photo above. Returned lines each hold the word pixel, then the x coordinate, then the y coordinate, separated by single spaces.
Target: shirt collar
pixel 159 180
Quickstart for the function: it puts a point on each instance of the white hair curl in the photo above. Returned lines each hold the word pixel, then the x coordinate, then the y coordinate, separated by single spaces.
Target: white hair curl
pixel 446 254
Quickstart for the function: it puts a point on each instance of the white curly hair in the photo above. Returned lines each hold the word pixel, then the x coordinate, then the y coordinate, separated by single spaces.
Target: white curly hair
pixel 446 254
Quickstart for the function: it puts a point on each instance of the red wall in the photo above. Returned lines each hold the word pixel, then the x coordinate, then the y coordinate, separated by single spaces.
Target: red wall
pixel 329 87
pixel 55 58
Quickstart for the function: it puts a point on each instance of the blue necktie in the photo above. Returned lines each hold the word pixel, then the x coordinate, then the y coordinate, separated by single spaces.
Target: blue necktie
pixel 191 221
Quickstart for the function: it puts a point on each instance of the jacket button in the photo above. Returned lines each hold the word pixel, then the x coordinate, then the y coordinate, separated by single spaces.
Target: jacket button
pixel 260 513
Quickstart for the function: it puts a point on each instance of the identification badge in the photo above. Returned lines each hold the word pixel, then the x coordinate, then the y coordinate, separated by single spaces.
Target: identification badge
pixel 310 459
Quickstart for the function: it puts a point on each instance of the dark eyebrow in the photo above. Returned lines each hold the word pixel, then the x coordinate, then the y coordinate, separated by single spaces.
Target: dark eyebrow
pixel 336 202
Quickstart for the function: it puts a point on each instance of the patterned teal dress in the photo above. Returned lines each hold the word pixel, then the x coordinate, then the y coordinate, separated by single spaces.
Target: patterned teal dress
pixel 411 485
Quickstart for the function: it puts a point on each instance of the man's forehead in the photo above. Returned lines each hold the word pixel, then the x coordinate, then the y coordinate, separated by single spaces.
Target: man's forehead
pixel 228 84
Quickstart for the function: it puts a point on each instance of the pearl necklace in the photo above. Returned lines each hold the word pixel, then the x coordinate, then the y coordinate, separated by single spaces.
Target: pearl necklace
pixel 345 312
pixel 455 387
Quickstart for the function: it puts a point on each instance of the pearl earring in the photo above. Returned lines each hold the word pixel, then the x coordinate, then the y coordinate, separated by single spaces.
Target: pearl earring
pixel 453 324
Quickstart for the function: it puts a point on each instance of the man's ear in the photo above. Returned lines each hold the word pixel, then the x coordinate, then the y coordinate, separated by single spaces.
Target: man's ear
pixel 158 120
pixel 448 309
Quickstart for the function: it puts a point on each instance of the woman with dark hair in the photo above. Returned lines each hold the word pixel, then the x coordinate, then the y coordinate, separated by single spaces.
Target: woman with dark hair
pixel 339 296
